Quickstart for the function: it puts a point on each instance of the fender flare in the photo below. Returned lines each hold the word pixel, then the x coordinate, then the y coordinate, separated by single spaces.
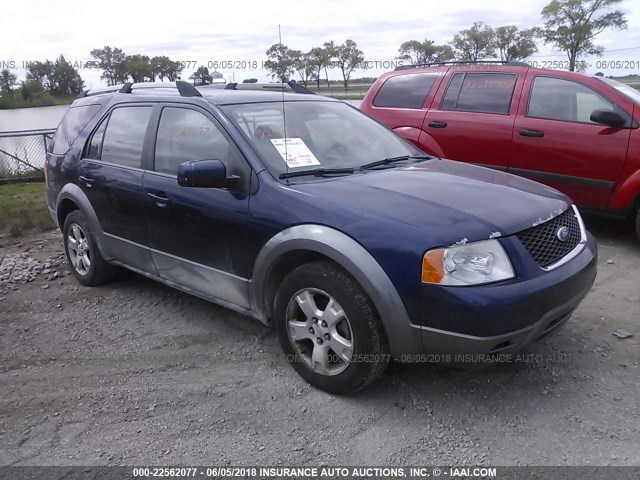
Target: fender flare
pixel 624 196
pixel 412 134
pixel 74 193
pixel 403 337
pixel 429 145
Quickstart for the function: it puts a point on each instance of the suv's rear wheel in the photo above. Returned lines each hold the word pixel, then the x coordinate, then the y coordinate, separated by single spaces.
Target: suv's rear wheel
pixel 83 255
pixel 329 329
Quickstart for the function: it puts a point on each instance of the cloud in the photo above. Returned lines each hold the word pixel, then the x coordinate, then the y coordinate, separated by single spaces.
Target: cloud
pixel 202 31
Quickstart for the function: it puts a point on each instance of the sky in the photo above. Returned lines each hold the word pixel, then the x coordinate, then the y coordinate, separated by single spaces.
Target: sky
pixel 218 33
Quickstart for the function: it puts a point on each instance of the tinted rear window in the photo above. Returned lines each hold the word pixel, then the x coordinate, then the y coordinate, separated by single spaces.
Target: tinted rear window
pixel 479 92
pixel 71 125
pixel 405 91
pixel 124 137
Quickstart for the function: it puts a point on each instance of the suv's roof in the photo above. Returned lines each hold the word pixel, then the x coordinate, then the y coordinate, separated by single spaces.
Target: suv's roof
pixel 228 94
pixel 462 64
pixel 229 97
pixel 489 65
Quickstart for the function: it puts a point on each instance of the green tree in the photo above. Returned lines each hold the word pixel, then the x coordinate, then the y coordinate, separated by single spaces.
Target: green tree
pixel 64 79
pixel 163 67
pixel 138 68
pixel 303 64
pixel 348 57
pixel 7 81
pixel 31 89
pixel 174 70
pixel 319 58
pixel 417 52
pixel 514 44
pixel 572 25
pixel 40 72
pixel 112 62
pixel 474 43
pixel 280 61
pixel 202 76
pixel 331 52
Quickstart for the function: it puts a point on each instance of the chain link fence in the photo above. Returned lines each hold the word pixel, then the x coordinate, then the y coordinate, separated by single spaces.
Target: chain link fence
pixel 23 153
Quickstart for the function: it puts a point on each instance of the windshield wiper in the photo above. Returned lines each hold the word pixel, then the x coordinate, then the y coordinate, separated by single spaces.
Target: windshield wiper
pixel 387 161
pixel 318 172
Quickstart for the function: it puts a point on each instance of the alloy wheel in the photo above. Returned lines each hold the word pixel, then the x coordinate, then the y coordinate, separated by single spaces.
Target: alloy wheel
pixel 320 331
pixel 78 249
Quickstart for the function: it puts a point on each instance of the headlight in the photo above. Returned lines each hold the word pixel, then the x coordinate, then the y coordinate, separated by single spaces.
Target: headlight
pixel 468 264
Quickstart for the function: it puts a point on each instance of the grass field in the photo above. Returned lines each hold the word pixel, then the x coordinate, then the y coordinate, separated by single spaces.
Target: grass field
pixel 23 207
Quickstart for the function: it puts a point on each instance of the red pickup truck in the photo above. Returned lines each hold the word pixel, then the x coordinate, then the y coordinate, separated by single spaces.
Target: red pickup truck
pixel 577 133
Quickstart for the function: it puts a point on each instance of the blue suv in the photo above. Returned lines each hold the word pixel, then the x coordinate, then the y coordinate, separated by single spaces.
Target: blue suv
pixel 306 214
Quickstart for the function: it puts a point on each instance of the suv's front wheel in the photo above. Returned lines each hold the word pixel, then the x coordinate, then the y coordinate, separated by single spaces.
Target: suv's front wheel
pixel 83 255
pixel 329 329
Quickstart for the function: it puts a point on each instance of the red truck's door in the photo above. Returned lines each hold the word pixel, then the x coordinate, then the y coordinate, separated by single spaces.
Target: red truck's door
pixel 556 143
pixel 471 119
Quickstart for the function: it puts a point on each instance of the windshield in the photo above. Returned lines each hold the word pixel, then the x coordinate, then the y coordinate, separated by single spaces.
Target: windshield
pixel 318 135
pixel 623 88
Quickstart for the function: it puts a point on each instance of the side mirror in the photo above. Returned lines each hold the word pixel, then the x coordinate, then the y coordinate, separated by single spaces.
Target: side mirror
pixel 608 117
pixel 205 174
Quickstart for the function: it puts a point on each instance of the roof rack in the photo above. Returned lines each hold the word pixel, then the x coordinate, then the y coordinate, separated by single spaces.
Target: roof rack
pixel 296 87
pixel 185 89
pixel 467 62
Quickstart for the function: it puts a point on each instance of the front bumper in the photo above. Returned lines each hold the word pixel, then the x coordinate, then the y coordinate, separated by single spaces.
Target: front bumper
pixel 503 318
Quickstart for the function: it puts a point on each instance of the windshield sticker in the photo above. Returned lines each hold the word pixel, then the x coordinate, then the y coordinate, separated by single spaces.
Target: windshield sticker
pixel 294 152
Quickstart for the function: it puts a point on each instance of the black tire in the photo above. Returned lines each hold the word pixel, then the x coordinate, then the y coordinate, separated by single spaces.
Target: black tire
pixel 638 224
pixel 97 272
pixel 360 327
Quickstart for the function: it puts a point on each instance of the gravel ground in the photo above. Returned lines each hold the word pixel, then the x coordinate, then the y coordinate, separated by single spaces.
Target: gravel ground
pixel 138 373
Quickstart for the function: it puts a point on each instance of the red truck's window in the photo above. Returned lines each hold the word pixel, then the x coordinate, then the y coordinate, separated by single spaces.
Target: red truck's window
pixel 559 99
pixel 405 91
pixel 479 92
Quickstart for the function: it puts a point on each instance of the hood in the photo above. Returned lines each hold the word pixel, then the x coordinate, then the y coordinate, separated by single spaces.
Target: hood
pixel 452 201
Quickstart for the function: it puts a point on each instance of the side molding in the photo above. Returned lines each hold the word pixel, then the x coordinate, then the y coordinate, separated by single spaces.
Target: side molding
pixel 403 336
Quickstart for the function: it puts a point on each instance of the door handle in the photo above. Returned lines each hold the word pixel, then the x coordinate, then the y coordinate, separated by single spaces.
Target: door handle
pixel 531 133
pixel 88 181
pixel 437 124
pixel 160 199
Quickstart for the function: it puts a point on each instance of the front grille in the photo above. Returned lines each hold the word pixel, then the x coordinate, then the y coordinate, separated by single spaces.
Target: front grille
pixel 543 243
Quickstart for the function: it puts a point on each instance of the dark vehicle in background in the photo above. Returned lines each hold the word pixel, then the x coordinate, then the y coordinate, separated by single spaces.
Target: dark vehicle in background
pixel 574 132
pixel 305 214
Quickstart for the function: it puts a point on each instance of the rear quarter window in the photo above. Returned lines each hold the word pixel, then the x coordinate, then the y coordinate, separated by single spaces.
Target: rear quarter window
pixel 70 127
pixel 405 91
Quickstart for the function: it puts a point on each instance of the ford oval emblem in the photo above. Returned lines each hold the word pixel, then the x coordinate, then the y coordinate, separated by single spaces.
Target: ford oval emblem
pixel 563 234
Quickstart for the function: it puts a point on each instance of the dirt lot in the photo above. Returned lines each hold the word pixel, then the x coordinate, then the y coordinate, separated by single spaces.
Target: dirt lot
pixel 138 373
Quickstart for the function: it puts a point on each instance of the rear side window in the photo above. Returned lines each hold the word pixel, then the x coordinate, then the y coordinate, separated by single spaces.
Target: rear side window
pixel 70 127
pixel 95 144
pixel 479 92
pixel 124 136
pixel 405 91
